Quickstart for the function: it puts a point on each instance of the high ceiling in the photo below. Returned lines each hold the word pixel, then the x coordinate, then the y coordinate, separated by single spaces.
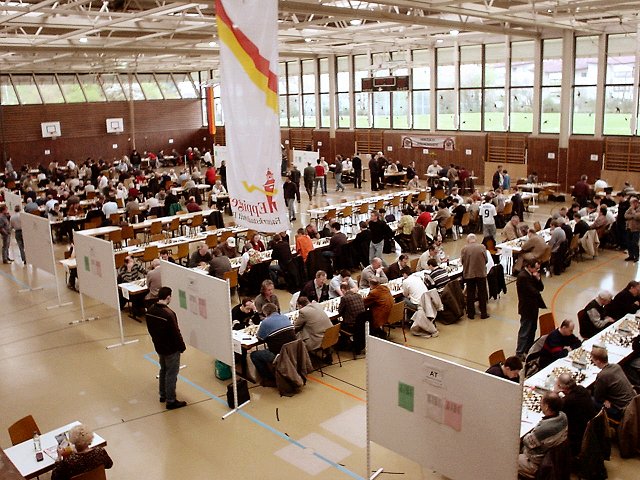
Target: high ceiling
pixel 153 35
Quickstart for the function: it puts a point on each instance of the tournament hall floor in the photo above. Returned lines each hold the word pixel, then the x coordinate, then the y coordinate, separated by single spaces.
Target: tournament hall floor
pixel 59 373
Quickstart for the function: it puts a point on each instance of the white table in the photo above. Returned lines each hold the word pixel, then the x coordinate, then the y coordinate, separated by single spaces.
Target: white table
pixel 529 418
pixel 24 458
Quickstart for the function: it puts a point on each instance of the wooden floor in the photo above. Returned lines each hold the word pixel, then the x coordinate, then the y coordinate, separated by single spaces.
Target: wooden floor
pixel 60 372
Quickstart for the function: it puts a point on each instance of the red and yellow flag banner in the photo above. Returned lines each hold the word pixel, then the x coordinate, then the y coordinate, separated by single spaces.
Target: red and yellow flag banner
pixel 248 32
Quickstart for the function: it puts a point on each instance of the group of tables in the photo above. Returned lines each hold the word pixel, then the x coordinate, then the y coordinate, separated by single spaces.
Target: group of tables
pixel 616 338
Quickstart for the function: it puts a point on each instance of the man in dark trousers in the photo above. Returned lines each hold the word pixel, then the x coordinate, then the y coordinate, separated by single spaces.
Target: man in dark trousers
pixel 356 164
pixel 529 285
pixel 289 190
pixel 295 176
pixel 309 174
pixel 474 272
pixel 162 324
pixel 373 172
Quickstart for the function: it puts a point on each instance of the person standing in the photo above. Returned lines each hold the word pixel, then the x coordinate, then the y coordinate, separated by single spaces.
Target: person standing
pixel 632 216
pixel 290 192
pixel 309 174
pixel 529 285
pixel 338 173
pixel 487 213
pixel 356 164
pixel 295 175
pixel 379 232
pixel 318 180
pixel 373 172
pixel 162 324
pixel 16 225
pixel 5 231
pixel 474 273
pixel 581 191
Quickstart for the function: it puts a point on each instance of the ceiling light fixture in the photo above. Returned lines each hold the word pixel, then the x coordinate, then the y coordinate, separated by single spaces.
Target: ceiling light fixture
pixel 454 33
pixel 213 44
pixel 439 40
pixel 355 22
pixel 83 40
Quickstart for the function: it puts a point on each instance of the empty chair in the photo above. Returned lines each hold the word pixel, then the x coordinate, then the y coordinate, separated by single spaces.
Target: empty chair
pixel 23 430
pixel 330 339
pixel 194 225
pixel 127 234
pixel 396 318
pixel 183 253
pixel 115 238
pixel 547 323
pixel 211 240
pixel 150 253
pixel 173 227
pixel 497 357
pixel 232 276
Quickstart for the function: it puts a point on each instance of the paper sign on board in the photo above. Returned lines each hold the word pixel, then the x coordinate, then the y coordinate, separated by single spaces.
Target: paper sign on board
pixel 405 396
pixel 182 295
pixel 435 408
pixel 87 264
pixel 202 307
pixel 453 415
pixel 434 376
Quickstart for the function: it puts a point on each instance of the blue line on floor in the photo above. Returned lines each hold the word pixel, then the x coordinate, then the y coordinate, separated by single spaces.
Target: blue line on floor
pixel 260 423
pixel 14 279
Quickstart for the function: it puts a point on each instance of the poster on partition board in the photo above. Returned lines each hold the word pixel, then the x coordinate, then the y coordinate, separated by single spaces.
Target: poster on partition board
pixel 97 275
pixel 220 153
pixel 12 199
pixel 38 244
pixel 203 307
pixel 302 157
pixel 435 413
pixel 248 33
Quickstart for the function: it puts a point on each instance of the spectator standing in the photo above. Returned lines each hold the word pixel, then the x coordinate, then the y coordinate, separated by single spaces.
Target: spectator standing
pixel 529 287
pixel 474 272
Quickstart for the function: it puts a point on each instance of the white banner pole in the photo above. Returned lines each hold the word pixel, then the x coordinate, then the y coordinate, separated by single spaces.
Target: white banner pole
pixel 122 341
pixel 380 470
pixel 84 318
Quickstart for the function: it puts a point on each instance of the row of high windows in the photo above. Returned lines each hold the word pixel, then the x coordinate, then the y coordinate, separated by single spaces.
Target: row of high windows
pixel 492 87
pixel 78 88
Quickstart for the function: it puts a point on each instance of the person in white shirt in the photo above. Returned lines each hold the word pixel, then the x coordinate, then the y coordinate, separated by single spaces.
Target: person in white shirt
pixel 152 202
pixel 456 195
pixel 346 166
pixel 71 166
pixel 600 185
pixel 109 207
pixel 123 167
pixel 103 182
pixel 218 188
pixel 208 160
pixel 413 287
pixel 434 168
pixel 487 214
pixel 324 165
pixel 50 203
pixel 343 277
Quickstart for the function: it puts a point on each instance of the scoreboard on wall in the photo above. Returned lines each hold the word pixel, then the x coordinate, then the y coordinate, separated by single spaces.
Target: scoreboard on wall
pixel 385 84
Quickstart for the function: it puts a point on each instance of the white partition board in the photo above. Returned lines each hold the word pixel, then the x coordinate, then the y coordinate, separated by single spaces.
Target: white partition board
pixel 203 307
pixel 302 157
pixel 97 276
pixel 220 153
pixel 12 199
pixel 38 244
pixel 460 422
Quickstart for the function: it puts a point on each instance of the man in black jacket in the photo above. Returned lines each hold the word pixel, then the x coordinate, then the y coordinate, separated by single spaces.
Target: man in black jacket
pixel 373 172
pixel 162 324
pixel 579 408
pixel 356 164
pixel 529 285
pixel 625 301
pixel 380 231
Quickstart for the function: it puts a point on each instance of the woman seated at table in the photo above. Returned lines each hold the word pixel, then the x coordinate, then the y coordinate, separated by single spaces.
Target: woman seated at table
pixel 254 242
pixel 80 458
pixel 219 193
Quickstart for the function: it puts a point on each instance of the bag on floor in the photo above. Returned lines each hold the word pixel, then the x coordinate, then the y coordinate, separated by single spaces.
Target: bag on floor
pixel 222 370
pixel 243 393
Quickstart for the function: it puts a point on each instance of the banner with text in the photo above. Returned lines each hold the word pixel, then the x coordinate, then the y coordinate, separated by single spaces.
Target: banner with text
pixel 249 93
pixel 423 141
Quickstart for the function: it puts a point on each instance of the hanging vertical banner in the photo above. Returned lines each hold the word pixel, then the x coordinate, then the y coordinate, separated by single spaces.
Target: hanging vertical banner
pixel 249 92
pixel 211 114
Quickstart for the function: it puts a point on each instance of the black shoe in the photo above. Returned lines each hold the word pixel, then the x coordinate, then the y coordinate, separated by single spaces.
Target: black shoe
pixel 176 404
pixel 328 359
pixel 628 259
pixel 162 399
pixel 293 219
pixel 484 316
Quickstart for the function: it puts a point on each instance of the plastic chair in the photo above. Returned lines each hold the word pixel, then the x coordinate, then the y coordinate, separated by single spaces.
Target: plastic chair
pixel 497 357
pixel 127 234
pixel 119 258
pixel 23 430
pixel 413 264
pixel 183 252
pixel 211 240
pixel 150 253
pixel 547 323
pixel 330 339
pixel 232 276
pixel 97 473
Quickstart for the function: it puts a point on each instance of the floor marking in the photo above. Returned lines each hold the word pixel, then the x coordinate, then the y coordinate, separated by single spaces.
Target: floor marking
pixel 577 275
pixel 260 423
pixel 306 460
pixel 313 379
pixel 14 279
pixel 350 425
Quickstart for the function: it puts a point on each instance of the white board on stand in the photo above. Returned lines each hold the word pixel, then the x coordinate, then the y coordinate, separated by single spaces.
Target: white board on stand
pixel 11 199
pixel 97 275
pixel 220 153
pixel 38 244
pixel 302 157
pixel 203 307
pixel 462 423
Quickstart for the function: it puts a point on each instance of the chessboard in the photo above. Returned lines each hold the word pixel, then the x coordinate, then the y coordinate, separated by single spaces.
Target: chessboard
pixel 577 376
pixel 616 338
pixel 531 400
